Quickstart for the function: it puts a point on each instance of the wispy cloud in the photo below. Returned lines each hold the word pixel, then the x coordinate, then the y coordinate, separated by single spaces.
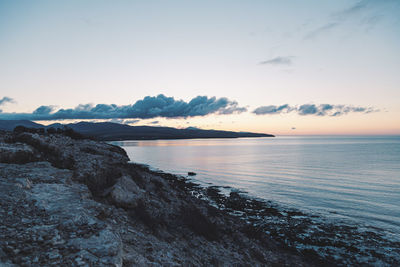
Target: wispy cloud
pixel 120 121
pixel 355 8
pixel 312 109
pixel 146 108
pixel 277 61
pixel 131 121
pixel 5 100
pixel 365 12
pixel 323 29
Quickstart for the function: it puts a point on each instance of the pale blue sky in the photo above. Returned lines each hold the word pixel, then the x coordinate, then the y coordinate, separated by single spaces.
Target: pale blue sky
pixel 66 53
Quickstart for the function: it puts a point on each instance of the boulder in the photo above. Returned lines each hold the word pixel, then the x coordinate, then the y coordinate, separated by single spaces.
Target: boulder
pixel 125 193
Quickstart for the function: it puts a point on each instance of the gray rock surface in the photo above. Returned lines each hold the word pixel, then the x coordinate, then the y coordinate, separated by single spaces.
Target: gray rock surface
pixel 125 193
pixel 66 202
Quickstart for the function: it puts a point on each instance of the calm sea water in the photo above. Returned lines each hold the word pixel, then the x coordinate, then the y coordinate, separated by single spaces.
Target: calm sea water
pixel 354 178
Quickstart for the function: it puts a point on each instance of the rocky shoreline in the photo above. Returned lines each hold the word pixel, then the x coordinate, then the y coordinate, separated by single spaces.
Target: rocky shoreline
pixel 68 201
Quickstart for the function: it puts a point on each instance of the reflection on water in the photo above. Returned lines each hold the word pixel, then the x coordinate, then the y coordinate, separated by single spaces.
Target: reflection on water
pixel 350 177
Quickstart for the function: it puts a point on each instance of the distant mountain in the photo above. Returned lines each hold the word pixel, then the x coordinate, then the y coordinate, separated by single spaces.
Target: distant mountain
pixel 9 125
pixel 115 131
pixel 109 131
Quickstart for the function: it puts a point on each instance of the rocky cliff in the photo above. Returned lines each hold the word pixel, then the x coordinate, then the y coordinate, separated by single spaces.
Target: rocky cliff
pixel 68 202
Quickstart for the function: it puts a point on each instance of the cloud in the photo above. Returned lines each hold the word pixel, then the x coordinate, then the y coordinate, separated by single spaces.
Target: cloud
pixel 278 61
pixel 120 121
pixel 320 30
pixel 42 110
pixel 5 100
pixel 342 110
pixel 307 109
pixel 368 13
pixel 332 110
pixel 272 109
pixel 131 121
pixel 146 108
pixel 312 109
pixel 154 122
pixel 355 8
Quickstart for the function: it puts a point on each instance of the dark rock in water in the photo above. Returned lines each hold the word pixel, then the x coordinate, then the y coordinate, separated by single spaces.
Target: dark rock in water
pixel 191 173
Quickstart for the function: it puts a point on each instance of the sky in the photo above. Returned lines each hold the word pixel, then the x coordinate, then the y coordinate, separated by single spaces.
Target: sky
pixel 281 67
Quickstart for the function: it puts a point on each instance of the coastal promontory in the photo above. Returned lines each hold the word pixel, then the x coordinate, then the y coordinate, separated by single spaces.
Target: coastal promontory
pixel 70 201
pixel 76 202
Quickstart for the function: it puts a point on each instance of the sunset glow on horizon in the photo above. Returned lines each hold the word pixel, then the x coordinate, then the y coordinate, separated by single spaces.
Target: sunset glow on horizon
pixel 276 67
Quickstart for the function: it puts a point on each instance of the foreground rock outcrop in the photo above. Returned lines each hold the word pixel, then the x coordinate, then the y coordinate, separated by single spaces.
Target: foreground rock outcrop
pixel 67 202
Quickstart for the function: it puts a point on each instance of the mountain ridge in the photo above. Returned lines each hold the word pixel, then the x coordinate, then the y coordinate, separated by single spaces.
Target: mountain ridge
pixel 109 131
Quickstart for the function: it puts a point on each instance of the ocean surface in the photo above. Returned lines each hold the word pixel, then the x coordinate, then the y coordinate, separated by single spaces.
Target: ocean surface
pixel 351 178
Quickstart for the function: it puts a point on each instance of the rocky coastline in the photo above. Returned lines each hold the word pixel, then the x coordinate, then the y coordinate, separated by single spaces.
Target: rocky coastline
pixel 70 201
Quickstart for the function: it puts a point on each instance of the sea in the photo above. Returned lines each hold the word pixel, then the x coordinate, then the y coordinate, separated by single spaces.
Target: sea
pixel 351 178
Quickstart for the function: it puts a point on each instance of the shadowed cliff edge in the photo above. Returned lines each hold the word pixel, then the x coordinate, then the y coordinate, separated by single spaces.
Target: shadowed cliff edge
pixel 66 200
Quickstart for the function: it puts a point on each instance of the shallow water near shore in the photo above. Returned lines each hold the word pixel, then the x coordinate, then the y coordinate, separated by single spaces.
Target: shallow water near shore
pixel 355 178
